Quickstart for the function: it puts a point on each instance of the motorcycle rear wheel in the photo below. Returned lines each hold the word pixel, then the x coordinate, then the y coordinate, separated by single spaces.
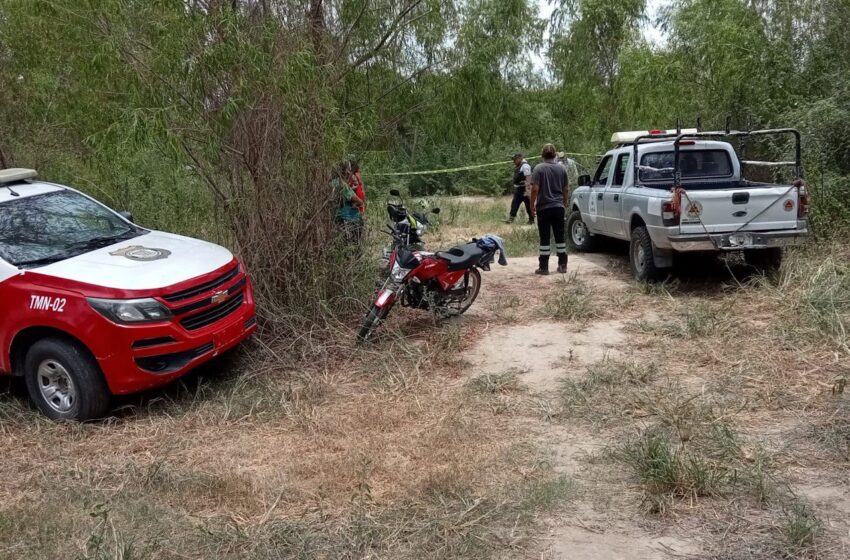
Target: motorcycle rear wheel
pixel 373 318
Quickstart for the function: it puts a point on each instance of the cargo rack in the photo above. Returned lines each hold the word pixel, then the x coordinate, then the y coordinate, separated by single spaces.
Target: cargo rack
pixel 797 164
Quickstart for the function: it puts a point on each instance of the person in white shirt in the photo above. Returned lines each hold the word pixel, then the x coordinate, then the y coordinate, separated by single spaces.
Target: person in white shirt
pixel 522 172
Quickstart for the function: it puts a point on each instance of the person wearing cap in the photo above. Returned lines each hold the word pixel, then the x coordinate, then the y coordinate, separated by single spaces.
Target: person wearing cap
pixel 522 171
pixel 550 197
pixel 571 167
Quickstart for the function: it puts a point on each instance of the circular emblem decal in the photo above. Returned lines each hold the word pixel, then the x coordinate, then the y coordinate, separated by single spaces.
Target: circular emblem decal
pixel 139 253
pixel 695 210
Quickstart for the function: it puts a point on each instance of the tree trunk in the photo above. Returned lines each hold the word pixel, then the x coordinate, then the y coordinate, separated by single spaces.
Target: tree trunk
pixel 316 19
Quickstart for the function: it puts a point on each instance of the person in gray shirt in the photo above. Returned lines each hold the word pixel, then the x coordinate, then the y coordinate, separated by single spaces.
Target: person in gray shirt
pixel 550 196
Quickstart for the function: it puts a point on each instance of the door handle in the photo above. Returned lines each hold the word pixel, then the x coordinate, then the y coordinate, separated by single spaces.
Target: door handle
pixel 598 196
pixel 616 197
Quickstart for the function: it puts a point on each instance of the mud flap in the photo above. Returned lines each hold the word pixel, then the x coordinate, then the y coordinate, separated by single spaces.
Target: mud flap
pixel 663 257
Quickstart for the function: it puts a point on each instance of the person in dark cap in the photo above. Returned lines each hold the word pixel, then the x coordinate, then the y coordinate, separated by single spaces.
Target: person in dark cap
pixel 522 171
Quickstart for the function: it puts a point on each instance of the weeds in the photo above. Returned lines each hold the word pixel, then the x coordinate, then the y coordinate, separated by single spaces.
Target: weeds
pixel 666 472
pixel 698 321
pixel 825 298
pixel 799 529
pixel 494 383
pixel 666 288
pixel 573 301
pixel 832 433
pixel 606 389
pixel 106 542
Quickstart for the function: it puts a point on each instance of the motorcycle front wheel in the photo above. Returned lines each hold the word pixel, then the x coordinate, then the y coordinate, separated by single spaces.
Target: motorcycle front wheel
pixel 373 318
pixel 471 291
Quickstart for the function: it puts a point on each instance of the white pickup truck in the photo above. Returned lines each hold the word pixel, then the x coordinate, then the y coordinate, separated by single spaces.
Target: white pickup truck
pixel 679 191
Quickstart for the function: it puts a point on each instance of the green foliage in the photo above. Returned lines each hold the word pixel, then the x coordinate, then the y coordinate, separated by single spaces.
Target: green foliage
pixel 667 472
pixel 224 120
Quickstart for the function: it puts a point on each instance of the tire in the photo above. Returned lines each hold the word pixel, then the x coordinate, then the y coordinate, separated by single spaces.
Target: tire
pixel 373 318
pixel 641 257
pixel 578 236
pixel 765 261
pixel 64 381
pixel 475 286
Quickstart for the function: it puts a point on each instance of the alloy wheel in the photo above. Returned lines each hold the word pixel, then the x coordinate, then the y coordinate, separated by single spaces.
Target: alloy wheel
pixel 56 386
pixel 579 232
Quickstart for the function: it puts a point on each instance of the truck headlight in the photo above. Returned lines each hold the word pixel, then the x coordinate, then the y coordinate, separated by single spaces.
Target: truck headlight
pixel 131 311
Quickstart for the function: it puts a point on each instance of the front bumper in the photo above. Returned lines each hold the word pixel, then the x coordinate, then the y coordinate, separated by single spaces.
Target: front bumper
pixel 145 357
pixel 737 241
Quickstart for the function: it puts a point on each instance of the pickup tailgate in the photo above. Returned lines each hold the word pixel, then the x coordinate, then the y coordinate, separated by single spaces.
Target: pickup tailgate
pixel 761 207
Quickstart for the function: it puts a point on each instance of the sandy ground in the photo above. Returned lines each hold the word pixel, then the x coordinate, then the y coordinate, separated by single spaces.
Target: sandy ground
pixel 604 521
pixel 542 352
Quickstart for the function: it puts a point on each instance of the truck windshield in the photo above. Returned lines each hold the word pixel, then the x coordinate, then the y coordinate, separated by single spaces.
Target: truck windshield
pixel 46 228
pixel 694 164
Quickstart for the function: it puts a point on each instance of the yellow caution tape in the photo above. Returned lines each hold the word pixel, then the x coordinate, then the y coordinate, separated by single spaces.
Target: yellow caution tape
pixel 457 169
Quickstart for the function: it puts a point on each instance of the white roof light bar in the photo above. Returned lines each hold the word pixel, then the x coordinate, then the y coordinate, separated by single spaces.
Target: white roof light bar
pixel 629 137
pixel 16 175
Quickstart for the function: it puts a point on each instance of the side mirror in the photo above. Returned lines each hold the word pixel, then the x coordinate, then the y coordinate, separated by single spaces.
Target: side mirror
pixel 127 216
pixel 584 180
pixel 435 211
pixel 394 192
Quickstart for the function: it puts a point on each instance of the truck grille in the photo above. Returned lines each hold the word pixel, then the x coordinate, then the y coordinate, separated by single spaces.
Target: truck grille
pixel 213 314
pixel 203 288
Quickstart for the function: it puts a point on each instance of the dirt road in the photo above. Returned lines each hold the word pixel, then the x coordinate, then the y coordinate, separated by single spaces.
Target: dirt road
pixel 557 336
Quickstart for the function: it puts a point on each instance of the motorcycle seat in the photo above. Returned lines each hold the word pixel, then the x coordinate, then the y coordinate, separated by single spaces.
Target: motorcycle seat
pixel 462 257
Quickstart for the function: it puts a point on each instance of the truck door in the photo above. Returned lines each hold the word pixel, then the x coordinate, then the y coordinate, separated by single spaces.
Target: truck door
pixel 596 202
pixel 612 199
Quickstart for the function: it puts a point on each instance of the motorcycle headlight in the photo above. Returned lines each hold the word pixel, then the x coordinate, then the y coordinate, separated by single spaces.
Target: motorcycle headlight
pixel 398 273
pixel 131 311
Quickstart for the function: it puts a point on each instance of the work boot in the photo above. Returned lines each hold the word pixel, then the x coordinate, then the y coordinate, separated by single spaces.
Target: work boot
pixel 543 269
pixel 562 264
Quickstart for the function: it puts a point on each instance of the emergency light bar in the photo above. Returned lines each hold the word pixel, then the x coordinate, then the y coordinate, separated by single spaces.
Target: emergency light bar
pixel 630 136
pixel 16 175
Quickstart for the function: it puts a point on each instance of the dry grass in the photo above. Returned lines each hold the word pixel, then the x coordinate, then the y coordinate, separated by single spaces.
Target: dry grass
pixel 363 452
pixel 751 392
pixel 727 401
pixel 572 300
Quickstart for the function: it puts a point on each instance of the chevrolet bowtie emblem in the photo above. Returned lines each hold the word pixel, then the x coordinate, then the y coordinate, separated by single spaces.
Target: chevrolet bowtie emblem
pixel 218 297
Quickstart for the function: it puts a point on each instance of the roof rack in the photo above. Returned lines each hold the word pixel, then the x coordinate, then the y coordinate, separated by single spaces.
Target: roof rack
pixel 16 175
pixel 797 164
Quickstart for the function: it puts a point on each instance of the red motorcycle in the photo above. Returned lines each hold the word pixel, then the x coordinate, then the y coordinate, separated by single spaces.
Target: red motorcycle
pixel 446 283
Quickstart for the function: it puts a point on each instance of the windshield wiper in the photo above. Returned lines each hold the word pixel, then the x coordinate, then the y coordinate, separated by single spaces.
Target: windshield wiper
pixel 103 241
pixel 40 262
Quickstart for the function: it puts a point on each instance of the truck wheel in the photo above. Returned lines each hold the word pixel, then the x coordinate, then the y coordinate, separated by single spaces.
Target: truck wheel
pixel 641 257
pixel 578 235
pixel 64 381
pixel 764 260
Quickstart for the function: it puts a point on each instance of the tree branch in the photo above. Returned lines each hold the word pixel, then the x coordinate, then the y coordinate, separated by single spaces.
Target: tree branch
pixel 350 31
pixel 397 24
pixel 392 89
